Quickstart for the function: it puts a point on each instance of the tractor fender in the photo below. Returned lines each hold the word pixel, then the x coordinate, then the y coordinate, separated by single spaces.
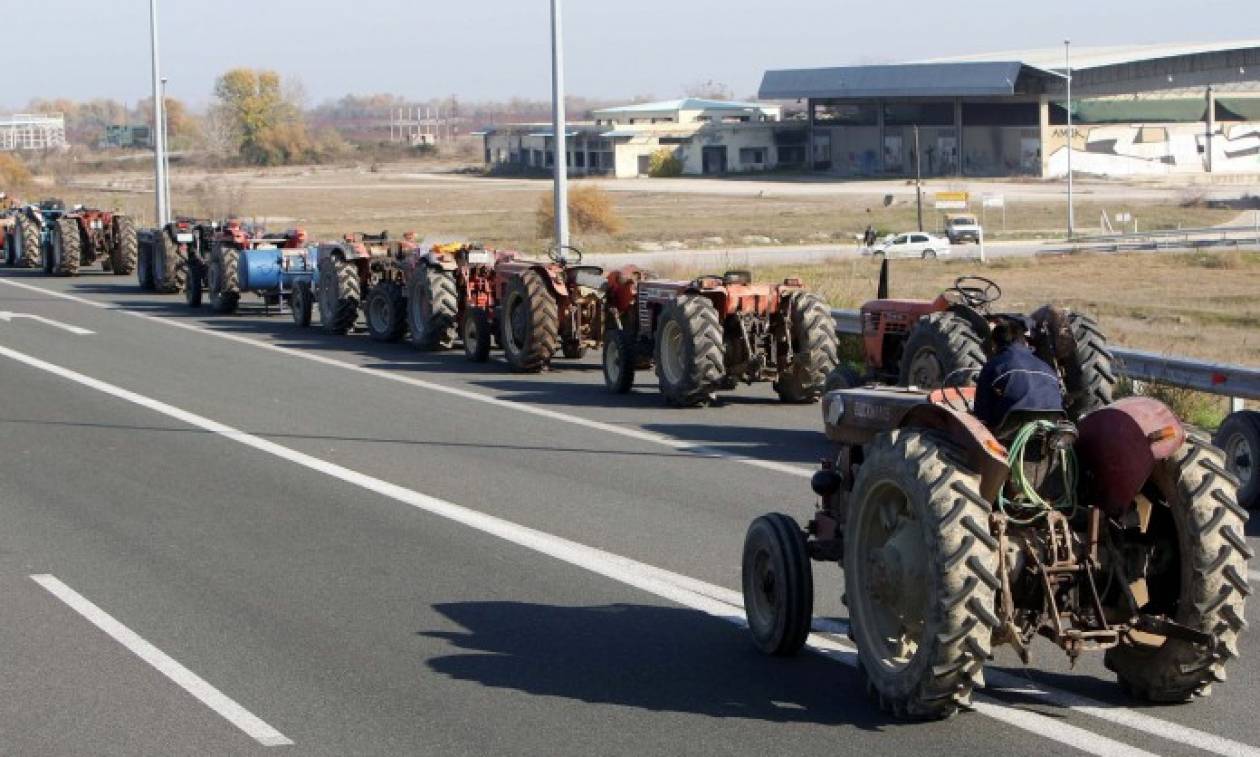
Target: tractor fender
pixel 975 318
pixel 1120 444
pixel 554 280
pixel 983 453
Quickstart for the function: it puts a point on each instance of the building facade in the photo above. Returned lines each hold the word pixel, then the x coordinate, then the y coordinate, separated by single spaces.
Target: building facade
pixel 32 131
pixel 710 137
pixel 1153 110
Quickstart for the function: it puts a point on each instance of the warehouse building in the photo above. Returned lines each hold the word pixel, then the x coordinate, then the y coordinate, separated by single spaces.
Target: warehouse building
pixel 1148 110
pixel 32 131
pixel 706 136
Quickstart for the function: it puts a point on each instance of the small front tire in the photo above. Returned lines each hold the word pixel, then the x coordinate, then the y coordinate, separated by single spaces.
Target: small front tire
pixel 778 583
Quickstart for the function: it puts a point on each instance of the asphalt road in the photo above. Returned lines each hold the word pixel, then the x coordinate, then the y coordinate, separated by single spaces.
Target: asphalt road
pixel 225 535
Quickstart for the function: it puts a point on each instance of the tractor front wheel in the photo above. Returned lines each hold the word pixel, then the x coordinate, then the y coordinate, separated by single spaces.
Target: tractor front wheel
pixel 619 360
pixel 433 309
pixel 385 311
pixel 300 304
pixel 920 576
pixel 531 323
pixel 814 349
pixel 122 258
pixel 223 280
pixel 196 283
pixel 1195 574
pixel 1239 437
pixel 778 583
pixel 943 349
pixel 690 357
pixel 339 295
pixel 476 335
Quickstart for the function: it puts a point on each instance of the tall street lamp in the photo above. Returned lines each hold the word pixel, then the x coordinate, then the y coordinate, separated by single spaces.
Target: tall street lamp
pixel 159 126
pixel 1067 56
pixel 560 142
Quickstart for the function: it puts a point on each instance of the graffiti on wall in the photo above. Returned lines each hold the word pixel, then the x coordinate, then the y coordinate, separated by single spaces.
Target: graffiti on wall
pixel 1121 149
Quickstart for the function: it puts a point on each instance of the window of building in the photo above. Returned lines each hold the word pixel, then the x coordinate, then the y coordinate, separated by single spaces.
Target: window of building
pixel 791 155
pixel 752 156
pixel 579 160
pixel 1000 114
pixel 822 152
pixel 551 159
pixel 919 114
pixel 832 113
pixel 674 140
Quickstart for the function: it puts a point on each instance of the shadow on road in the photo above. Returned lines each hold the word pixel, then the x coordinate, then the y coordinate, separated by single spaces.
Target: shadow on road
pixel 660 659
pixel 806 445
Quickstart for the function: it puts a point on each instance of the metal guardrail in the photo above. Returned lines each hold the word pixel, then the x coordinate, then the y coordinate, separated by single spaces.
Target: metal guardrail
pixel 1214 236
pixel 1238 382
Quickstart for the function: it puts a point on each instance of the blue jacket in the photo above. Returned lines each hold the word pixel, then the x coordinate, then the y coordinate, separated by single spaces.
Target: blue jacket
pixel 1016 379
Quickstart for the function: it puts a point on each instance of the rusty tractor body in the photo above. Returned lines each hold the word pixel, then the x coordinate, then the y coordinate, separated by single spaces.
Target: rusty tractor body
pixel 85 236
pixel 945 341
pixel 163 261
pixel 542 307
pixel 222 264
pixel 1121 534
pixel 346 274
pixel 713 332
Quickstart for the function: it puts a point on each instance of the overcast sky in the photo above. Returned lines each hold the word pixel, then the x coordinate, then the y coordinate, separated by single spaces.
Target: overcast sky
pixel 497 49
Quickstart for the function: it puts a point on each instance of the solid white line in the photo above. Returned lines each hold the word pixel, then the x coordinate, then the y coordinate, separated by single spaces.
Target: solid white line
pixel 189 681
pixel 680 445
pixel 683 590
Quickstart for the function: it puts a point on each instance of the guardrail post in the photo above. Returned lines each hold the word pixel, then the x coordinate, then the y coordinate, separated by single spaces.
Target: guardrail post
pixel 1237 404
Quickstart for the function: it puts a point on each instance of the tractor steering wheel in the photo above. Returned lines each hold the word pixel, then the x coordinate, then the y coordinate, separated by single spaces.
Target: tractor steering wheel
pixel 977 291
pixel 557 255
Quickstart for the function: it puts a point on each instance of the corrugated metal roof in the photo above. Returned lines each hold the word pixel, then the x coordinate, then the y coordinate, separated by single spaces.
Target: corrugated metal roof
pixel 903 80
pixel 1085 57
pixel 687 103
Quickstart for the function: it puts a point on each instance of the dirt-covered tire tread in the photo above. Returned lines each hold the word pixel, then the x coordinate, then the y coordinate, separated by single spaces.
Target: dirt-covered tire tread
pixel 124 255
pixel 434 290
pixel 32 255
pixel 959 349
pixel 542 332
pixel 71 247
pixel 815 349
pixel 704 353
pixel 340 295
pixel 226 297
pixel 1092 377
pixel 389 295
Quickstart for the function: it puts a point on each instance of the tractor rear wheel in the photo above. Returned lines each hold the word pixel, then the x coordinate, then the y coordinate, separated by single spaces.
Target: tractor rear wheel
pixel 920 576
pixel 1196 575
pixel 1090 377
pixel 531 323
pixel 144 263
pixel 1239 437
pixel 814 349
pixel 223 280
pixel 477 335
pixel 122 258
pixel 433 309
pixel 196 283
pixel 67 248
pixel 339 295
pixel 300 304
pixel 619 360
pixel 28 254
pixel 386 312
pixel 170 264
pixel 778 583
pixel 690 356
pixel 943 349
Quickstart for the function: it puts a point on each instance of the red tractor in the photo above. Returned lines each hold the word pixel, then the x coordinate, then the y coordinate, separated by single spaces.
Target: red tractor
pixel 542 307
pixel 83 236
pixel 217 271
pixel 712 332
pixel 945 341
pixel 1120 535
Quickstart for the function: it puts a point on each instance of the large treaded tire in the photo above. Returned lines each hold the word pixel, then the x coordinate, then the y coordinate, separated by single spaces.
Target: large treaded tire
pixel 69 247
pixel 530 327
pixel 619 360
pixel 385 311
pixel 433 309
pixel 1239 437
pixel 815 349
pixel 122 259
pixel 689 352
pixel 339 295
pixel 477 335
pixel 300 304
pixel 1090 377
pixel 170 264
pixel 144 263
pixel 943 349
pixel 778 583
pixel 1210 525
pixel 224 279
pixel 959 579
pixel 30 256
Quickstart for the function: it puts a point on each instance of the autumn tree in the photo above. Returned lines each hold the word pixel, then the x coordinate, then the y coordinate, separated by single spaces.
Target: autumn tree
pixel 265 118
pixel 14 176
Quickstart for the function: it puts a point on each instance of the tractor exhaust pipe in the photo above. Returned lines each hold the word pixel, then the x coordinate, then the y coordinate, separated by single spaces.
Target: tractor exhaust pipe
pixel 882 293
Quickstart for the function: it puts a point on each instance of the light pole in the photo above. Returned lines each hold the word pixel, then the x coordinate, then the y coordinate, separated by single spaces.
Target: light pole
pixel 159 125
pixel 166 154
pixel 1067 56
pixel 560 143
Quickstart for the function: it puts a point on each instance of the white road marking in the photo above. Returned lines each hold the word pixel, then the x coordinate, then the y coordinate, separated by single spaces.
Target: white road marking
pixel 683 590
pixel 8 316
pixel 189 681
pixel 681 445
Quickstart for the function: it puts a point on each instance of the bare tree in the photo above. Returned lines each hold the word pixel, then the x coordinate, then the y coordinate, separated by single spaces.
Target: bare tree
pixel 709 90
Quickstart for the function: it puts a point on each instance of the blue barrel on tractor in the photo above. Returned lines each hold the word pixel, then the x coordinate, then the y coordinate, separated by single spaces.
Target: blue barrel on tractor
pixel 274 270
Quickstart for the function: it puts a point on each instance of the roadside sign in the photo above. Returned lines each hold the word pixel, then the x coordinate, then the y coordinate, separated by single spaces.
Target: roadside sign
pixel 1124 217
pixel 993 201
pixel 952 200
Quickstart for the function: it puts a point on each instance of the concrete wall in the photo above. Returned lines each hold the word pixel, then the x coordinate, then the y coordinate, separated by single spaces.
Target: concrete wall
pixel 1001 151
pixel 1154 149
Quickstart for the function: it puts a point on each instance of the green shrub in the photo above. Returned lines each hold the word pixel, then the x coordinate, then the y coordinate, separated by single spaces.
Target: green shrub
pixel 664 164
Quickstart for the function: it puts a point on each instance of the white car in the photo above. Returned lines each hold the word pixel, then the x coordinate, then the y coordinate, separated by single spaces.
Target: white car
pixel 912 244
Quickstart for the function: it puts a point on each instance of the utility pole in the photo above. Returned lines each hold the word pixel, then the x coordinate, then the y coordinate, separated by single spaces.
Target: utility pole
pixel 1067 57
pixel 166 154
pixel 918 175
pixel 159 125
pixel 1211 126
pixel 560 146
